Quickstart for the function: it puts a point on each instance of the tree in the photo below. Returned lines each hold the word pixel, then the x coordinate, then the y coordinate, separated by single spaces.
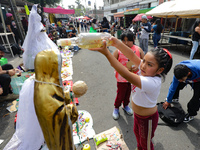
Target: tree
pixel 46 2
pixel 80 9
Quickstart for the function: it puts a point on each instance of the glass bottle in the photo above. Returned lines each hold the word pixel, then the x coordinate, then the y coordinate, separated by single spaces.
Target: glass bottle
pixel 86 40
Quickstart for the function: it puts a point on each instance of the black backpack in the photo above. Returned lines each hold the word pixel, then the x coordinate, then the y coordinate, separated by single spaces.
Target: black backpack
pixel 172 115
pixel 16 49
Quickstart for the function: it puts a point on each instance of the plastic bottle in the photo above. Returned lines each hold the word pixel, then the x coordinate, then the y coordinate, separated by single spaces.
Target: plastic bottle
pixel 86 40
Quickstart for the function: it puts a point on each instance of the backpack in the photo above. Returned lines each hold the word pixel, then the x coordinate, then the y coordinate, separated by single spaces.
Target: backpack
pixel 16 49
pixel 172 115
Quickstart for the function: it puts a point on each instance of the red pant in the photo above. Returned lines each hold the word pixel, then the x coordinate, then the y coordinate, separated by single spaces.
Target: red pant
pixel 123 94
pixel 144 128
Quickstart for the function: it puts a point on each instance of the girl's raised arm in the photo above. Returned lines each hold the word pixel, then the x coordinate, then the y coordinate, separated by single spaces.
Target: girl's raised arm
pixel 128 52
pixel 122 70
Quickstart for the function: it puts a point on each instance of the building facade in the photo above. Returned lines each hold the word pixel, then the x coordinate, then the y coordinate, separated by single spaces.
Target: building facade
pixel 116 6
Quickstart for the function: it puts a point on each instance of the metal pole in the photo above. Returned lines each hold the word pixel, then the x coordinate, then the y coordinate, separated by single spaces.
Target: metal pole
pixel 176 23
pixel 164 29
pixel 95 9
pixel 17 19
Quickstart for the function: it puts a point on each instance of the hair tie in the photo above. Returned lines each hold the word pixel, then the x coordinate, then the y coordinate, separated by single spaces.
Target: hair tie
pixel 170 55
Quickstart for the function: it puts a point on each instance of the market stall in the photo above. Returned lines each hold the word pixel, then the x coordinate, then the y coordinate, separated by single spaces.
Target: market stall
pixel 177 9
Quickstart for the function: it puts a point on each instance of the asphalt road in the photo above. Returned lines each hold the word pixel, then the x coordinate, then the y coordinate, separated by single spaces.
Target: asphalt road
pixel 94 69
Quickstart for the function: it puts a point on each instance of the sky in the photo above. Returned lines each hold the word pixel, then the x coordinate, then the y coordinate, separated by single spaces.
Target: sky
pixel 83 2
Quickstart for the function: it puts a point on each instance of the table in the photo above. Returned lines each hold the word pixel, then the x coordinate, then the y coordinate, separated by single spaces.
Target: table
pixel 6 42
pixel 179 38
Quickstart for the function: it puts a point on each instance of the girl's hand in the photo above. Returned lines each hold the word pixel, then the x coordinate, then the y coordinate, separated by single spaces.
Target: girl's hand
pixel 102 50
pixel 115 41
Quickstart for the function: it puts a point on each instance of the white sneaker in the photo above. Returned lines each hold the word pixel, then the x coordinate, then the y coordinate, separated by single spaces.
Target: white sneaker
pixel 188 118
pixel 116 114
pixel 128 110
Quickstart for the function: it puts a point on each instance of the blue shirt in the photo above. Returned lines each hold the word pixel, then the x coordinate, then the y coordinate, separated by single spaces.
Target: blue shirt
pixel 155 30
pixel 194 66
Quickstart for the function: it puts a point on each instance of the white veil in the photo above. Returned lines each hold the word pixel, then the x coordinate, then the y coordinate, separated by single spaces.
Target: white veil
pixel 28 134
pixel 35 40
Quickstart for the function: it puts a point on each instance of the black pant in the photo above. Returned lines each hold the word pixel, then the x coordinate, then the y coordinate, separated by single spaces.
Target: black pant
pixel 5 79
pixel 194 103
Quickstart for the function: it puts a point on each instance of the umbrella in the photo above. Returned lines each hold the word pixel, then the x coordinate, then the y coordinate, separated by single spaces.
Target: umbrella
pixel 87 18
pixel 139 17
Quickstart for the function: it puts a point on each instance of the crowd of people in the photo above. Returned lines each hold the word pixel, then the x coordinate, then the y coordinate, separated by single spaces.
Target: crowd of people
pixel 137 70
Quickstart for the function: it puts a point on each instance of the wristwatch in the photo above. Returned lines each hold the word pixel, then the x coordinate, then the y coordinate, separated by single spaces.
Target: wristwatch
pixel 7 72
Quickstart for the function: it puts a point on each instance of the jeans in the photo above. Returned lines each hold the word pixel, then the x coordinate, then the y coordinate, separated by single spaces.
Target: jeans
pixel 194 48
pixel 76 48
pixel 144 45
pixel 5 79
pixel 194 103
pixel 156 39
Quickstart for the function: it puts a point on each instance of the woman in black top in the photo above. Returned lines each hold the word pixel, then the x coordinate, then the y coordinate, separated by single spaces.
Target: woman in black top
pixel 11 26
pixel 105 25
pixel 195 39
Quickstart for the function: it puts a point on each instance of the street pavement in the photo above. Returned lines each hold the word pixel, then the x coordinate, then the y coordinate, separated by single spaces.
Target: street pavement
pixel 95 70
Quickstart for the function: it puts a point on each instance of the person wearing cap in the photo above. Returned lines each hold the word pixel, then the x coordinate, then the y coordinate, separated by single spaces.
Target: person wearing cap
pixel 6 71
pixel 11 26
pixel 144 35
pixel 186 72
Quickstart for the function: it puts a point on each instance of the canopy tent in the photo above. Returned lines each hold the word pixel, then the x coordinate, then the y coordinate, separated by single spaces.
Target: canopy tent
pixel 186 9
pixel 139 17
pixel 58 10
pixel 162 10
pixel 177 9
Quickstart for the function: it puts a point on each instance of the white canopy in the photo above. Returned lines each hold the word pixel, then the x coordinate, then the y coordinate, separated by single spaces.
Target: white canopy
pixel 178 8
pixel 162 10
pixel 186 9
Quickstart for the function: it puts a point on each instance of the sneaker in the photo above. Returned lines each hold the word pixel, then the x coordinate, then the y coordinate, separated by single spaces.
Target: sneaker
pixel 128 110
pixel 116 113
pixel 176 100
pixel 188 118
